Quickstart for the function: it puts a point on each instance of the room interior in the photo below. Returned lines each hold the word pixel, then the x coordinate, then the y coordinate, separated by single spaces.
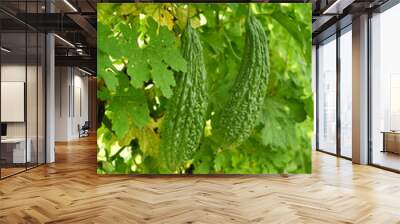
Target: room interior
pixel 334 79
pixel 24 89
pixel 22 102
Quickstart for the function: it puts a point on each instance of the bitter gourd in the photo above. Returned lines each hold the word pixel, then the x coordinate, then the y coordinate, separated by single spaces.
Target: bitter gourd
pixel 184 121
pixel 239 116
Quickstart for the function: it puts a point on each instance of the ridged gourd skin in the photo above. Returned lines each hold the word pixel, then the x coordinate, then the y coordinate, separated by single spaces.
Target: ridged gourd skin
pixel 238 118
pixel 185 118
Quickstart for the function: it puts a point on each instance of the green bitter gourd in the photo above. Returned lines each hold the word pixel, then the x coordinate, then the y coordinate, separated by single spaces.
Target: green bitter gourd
pixel 184 121
pixel 239 116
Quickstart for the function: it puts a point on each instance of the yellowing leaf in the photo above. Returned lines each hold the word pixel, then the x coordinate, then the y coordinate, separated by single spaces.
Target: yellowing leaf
pixel 129 9
pixel 195 22
pixel 149 142
pixel 162 14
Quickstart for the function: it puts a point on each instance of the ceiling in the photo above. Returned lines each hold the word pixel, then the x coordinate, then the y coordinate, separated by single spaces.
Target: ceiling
pixel 332 15
pixel 74 21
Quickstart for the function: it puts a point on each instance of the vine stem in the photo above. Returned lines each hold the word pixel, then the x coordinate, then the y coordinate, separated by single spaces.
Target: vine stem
pixel 187 15
pixel 230 47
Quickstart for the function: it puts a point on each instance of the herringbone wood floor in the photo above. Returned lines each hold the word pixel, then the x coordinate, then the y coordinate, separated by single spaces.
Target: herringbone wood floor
pixel 69 191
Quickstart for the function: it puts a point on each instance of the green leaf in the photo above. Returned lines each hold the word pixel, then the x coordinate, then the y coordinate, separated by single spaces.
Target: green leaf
pixel 139 72
pixel 154 59
pixel 149 142
pixel 171 59
pixel 162 77
pixel 106 72
pixel 279 125
pixel 103 94
pixel 127 109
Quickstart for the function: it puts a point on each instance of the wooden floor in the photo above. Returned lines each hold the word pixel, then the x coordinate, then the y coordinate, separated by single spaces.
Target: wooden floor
pixel 10 171
pixel 69 191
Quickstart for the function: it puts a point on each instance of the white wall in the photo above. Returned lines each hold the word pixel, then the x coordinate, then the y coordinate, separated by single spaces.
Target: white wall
pixel 80 102
pixel 33 127
pixel 314 89
pixel 61 103
pixel 71 102
pixel 13 72
pixel 16 73
pixel 13 101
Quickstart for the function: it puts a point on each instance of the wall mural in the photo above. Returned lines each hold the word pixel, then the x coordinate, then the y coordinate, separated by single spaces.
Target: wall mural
pixel 204 88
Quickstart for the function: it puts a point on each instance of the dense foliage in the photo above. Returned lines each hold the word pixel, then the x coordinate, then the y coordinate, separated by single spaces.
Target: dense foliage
pixel 139 58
